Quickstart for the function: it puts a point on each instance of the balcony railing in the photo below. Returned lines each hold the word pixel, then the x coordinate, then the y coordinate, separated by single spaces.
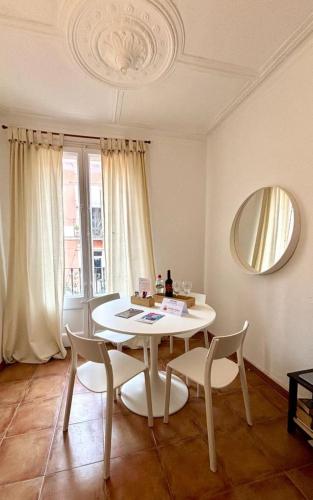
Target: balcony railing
pixel 73 281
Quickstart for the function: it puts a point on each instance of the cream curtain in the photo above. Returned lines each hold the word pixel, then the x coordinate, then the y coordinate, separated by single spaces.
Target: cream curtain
pixel 279 227
pixel 3 284
pixel 275 225
pixel 32 316
pixel 258 261
pixel 128 242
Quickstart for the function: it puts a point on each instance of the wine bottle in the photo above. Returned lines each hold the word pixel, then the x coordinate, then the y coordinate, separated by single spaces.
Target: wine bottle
pixel 159 284
pixel 169 285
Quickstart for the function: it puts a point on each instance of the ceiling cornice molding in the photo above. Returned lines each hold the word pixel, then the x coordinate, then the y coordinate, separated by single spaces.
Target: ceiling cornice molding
pixel 57 26
pixel 209 65
pixel 285 51
pixel 77 124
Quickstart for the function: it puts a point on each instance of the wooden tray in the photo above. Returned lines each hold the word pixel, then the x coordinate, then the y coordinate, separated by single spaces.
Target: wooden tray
pixel 147 302
pixel 190 301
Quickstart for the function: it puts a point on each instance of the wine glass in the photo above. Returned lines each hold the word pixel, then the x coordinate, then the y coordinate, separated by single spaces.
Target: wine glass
pixel 187 287
pixel 177 287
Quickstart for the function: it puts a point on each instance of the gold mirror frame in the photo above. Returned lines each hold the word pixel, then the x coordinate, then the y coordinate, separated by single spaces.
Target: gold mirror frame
pixel 289 249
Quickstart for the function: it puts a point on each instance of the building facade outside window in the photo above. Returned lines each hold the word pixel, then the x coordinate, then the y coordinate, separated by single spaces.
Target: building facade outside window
pixel 83 224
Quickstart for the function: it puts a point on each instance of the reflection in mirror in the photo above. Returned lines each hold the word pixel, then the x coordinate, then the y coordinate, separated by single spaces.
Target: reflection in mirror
pixel 263 229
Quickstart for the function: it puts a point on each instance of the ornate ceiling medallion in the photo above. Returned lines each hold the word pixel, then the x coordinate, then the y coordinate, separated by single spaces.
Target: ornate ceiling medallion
pixel 121 43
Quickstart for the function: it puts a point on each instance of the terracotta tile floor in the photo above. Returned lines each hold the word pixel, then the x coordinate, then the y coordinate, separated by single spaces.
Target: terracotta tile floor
pixel 168 462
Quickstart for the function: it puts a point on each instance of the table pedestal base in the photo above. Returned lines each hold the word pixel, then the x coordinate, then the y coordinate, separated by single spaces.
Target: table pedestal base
pixel 133 395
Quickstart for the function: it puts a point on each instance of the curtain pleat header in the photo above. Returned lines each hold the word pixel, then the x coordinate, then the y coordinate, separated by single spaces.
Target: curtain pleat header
pixel 36 137
pixel 122 145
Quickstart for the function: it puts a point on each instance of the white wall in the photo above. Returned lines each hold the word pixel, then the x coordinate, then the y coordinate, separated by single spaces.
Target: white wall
pixel 177 195
pixel 267 141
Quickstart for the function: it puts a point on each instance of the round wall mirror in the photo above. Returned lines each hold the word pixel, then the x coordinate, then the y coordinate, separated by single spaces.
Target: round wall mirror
pixel 266 230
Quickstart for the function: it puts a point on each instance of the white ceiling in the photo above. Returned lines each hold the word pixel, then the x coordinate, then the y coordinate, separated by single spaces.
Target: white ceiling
pixel 224 48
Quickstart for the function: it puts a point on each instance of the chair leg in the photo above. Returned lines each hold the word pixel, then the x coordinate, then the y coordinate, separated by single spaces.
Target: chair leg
pixel 198 390
pixel 245 392
pixel 145 352
pixel 186 350
pixel 210 427
pixel 171 344
pixel 206 339
pixel 69 400
pixel 149 399
pixel 186 345
pixel 108 432
pixel 167 393
pixel 120 349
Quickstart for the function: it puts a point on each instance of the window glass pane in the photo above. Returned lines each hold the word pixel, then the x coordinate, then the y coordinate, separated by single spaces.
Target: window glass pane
pixel 96 224
pixel 72 227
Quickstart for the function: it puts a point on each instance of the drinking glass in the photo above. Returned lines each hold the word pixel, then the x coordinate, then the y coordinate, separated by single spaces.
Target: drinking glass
pixel 187 287
pixel 177 286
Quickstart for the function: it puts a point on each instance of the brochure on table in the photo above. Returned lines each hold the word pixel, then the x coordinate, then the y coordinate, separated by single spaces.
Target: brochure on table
pixel 150 318
pixel 129 313
pixel 172 306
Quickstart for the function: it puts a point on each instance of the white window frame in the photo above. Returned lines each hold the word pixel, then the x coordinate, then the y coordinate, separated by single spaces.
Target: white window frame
pixel 85 224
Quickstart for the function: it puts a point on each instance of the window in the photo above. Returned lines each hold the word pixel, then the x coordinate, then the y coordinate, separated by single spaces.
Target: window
pixel 83 224
pixel 72 226
pixel 97 223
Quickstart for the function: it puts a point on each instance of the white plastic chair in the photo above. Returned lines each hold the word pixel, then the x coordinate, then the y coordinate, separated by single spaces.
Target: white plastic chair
pixel 200 300
pixel 105 371
pixel 211 369
pixel 95 330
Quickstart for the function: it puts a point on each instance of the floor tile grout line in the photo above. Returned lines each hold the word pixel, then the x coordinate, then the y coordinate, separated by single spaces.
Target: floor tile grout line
pixel 221 465
pixel 164 474
pixel 296 486
pixel 266 477
pixel 9 483
pixel 50 474
pixel 20 403
pixel 269 400
pixel 300 467
pixel 52 439
pixel 267 454
pixel 41 487
pixel 15 412
pixel 263 476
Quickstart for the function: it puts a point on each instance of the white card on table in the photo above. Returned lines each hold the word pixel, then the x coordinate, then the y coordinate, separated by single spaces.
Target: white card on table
pixel 173 306
pixel 144 286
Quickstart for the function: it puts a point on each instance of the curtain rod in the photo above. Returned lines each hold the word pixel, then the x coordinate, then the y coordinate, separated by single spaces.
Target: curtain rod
pixel 76 135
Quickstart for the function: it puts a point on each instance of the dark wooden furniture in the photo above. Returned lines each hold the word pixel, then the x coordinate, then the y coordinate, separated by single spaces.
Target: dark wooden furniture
pixel 293 422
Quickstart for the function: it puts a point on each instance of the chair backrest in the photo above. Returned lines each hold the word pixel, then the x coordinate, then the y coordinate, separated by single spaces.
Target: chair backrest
pixel 224 346
pixel 200 298
pixel 90 349
pixel 92 304
pixel 97 301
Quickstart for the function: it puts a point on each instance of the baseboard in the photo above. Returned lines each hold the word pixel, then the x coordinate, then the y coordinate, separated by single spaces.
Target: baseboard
pixel 279 388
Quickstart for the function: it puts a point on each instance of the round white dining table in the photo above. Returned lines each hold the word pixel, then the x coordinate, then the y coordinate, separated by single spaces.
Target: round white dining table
pixel 133 392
